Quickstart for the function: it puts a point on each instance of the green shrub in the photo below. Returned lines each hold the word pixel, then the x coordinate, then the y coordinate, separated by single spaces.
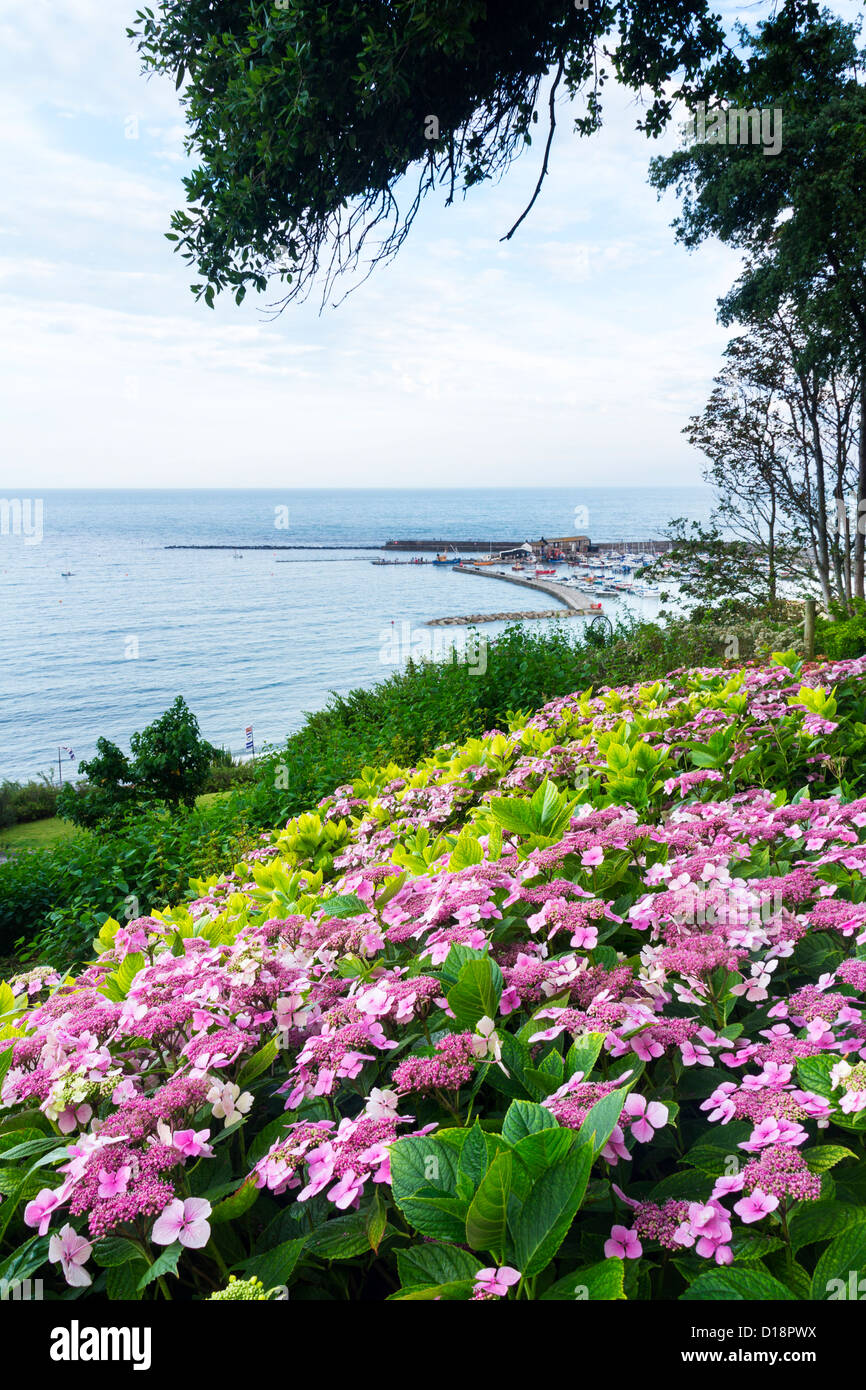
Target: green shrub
pixel 52 902
pixel 223 776
pixel 27 801
pixel 844 636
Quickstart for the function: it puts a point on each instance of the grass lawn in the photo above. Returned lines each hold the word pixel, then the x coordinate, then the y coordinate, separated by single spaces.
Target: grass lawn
pixel 35 834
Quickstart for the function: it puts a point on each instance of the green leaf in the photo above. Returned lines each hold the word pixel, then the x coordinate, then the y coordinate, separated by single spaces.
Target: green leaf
pixel 543 1221
pixel 516 1058
pixel 583 1053
pixel 737 1285
pixel 525 1117
pixel 341 1238
pixel 9 1207
pixel 276 1266
pixel 25 1148
pixel 422 1162
pixel 458 1290
pixel 817 1221
pixel 486 1217
pixel 234 1206
pixel 594 1284
pixel 553 1066
pixel 165 1263
pixel 601 1120
pixel 798 1280
pixel 825 1157
pixel 751 1245
pixel 545 804
pixel 844 1257
pixel 122 1283
pixel 114 1251
pixel 258 1063
pixel 473 1156
pixel 442 1218
pixel 541 1082
pixel 457 958
pixel 538 1152
pixel 25 1260
pixel 466 852
pixel 685 1186
pixel 476 993
pixel 514 814
pixel 344 905
pixel 814 1074
pixel 435 1263
pixel 714 1151
pixel 116 986
pixel 376 1221
pixel 7 1001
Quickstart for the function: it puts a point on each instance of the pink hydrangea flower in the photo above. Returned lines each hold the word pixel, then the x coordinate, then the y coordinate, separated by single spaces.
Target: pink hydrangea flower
pixel 192 1143
pixel 71 1251
pixel 756 1206
pixel 495 1283
pixel 646 1118
pixel 74 1117
pixel 39 1212
pixel 623 1243
pixel 184 1221
pixel 114 1184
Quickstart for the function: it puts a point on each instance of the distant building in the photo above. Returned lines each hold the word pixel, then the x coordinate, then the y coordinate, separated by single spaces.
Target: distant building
pixel 569 545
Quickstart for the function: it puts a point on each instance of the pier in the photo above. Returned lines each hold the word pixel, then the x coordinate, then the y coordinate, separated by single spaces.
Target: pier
pixel 576 604
pixel 449 547
pixel 472 619
pixel 571 546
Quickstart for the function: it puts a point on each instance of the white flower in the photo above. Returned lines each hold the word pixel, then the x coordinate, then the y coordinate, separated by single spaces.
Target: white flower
pixel 228 1103
pixel 382 1105
pixel 486 1044
pixel 838 1073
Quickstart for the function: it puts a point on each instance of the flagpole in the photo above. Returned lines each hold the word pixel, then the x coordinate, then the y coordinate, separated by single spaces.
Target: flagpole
pixel 60 767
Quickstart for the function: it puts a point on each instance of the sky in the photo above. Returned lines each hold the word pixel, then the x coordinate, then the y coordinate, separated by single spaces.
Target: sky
pixel 574 352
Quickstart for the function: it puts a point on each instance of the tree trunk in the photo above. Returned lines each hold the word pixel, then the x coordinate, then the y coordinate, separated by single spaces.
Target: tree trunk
pixel 771 551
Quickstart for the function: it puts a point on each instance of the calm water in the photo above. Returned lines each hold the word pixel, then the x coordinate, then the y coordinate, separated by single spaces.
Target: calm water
pixel 251 640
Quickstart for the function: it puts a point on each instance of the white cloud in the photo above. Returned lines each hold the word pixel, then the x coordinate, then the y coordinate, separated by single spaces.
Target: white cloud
pixel 578 348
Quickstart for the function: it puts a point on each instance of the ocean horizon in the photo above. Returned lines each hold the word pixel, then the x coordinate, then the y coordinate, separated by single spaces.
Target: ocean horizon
pixel 105 625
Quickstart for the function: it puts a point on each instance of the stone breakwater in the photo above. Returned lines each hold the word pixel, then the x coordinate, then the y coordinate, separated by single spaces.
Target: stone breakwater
pixel 572 598
pixel 503 617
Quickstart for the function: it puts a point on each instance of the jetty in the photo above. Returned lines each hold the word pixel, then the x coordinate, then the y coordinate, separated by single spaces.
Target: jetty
pixel 572 547
pixel 449 547
pixel 473 619
pixel 575 603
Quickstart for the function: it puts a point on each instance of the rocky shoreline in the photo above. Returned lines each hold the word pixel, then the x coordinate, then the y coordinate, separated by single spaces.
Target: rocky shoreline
pixel 503 617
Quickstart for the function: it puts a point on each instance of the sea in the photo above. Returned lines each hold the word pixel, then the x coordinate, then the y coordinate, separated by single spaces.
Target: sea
pixel 103 624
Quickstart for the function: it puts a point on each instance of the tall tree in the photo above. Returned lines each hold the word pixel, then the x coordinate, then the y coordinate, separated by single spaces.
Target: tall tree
pixel 779 441
pixel 799 213
pixel 748 443
pixel 306 118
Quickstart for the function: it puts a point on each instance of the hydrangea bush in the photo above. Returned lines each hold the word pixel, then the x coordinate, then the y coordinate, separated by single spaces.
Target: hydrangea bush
pixel 571 1011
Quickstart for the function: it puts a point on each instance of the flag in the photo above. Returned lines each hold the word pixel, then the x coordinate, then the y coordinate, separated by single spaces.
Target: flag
pixel 251 748
pixel 64 749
